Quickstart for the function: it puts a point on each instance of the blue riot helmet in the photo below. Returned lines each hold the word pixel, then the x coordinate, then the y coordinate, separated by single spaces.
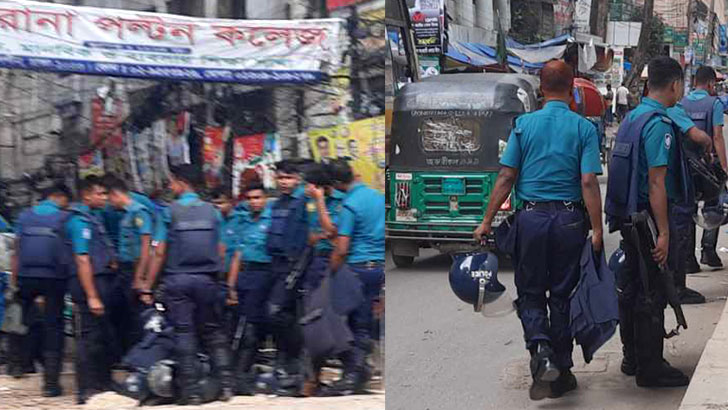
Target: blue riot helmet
pixel 474 280
pixel 616 261
pixel 135 386
pixel 161 378
pixel 711 215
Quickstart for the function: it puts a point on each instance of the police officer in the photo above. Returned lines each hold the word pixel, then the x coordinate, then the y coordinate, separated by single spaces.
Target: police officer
pixel 39 268
pixel 93 287
pixel 324 206
pixel 707 113
pixel 683 212
pixel 360 245
pixel 649 174
pixel 191 254
pixel 134 252
pixel 287 239
pixel 552 157
pixel 251 288
pixel 222 199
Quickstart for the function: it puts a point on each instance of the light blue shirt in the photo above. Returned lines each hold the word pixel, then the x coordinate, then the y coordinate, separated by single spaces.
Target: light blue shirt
pixel 78 229
pixel 334 207
pixel 136 222
pixel 552 148
pixel 254 236
pixel 658 142
pixel 362 220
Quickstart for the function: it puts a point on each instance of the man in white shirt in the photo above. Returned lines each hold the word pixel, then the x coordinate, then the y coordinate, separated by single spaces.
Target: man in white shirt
pixel 622 101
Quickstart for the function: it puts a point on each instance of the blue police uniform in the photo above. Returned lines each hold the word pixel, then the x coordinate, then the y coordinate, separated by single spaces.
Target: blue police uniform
pixel 706 112
pixel 551 148
pixel 648 138
pixel 137 221
pixel 192 230
pixel 111 217
pixel 362 220
pixel 96 336
pixel 254 286
pixel 324 247
pixel 43 270
pixel 287 239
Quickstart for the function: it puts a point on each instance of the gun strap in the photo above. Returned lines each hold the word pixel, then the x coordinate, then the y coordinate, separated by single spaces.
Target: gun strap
pixel 644 273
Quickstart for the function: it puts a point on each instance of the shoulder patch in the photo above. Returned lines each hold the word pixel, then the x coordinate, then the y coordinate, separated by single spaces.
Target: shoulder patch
pixel 139 222
pixel 666 119
pixel 86 233
pixel 668 140
pixel 311 207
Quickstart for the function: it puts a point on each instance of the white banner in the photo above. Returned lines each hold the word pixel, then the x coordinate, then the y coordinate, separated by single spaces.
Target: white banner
pixel 122 43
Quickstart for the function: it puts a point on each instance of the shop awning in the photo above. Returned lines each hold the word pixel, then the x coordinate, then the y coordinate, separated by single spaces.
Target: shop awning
pixel 480 55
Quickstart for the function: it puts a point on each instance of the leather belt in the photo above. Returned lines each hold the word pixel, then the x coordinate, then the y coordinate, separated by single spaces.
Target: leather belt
pixel 553 205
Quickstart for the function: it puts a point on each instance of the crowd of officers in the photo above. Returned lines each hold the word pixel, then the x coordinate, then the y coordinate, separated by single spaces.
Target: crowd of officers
pixel 552 160
pixel 119 252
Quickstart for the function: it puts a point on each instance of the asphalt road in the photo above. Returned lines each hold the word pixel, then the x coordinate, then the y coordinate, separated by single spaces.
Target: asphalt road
pixel 442 355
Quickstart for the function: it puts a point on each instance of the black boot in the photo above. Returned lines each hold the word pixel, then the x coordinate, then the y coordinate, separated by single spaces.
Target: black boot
pixel 692 266
pixel 565 383
pixel 18 356
pixel 244 376
pixel 710 257
pixel 626 334
pixel 51 375
pixel 662 375
pixel 223 367
pixel 689 296
pixel 543 371
pixel 188 387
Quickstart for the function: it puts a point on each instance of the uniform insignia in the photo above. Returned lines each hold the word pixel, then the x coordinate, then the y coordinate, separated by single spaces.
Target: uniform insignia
pixel 138 221
pixel 667 120
pixel 311 207
pixel 86 233
pixel 668 140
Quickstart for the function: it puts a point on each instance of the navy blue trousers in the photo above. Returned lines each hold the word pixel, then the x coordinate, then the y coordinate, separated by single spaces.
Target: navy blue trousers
pixel 548 250
pixel 97 339
pixel 126 314
pixel 53 292
pixel 361 319
pixel 254 286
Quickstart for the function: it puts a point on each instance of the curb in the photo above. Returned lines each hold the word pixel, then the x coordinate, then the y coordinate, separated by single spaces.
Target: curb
pixel 707 389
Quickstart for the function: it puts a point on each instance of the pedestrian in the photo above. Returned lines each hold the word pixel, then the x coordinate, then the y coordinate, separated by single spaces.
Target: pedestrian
pixel 287 239
pixel 359 246
pixel 653 183
pixel 134 253
pixel 683 212
pixel 324 208
pixel 191 254
pixel 93 288
pixel 250 289
pixel 40 268
pixel 707 112
pixel 552 226
pixel 609 97
pixel 622 101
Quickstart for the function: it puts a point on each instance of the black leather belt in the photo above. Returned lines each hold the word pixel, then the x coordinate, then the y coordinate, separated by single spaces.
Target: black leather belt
pixel 553 205
pixel 256 265
pixel 367 264
pixel 323 253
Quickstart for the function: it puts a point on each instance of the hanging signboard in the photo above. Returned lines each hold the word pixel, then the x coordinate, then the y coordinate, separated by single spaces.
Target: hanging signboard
pixel 122 43
pixel 427 22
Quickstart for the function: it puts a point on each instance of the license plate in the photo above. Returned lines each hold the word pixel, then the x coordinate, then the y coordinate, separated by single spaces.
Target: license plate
pixel 453 186
pixel 405 215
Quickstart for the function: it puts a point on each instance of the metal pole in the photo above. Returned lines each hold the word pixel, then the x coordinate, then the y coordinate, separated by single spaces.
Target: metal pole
pixel 710 32
pixel 688 65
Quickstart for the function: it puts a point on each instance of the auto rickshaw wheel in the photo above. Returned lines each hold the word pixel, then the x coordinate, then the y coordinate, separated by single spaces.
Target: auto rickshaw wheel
pixel 402 261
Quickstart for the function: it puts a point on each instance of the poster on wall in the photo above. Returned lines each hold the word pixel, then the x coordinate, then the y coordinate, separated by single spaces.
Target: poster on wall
pixel 362 141
pixel 427 22
pixel 723 39
pixel 106 119
pixel 429 66
pixel 91 163
pixel 582 13
pixel 213 155
pixel 254 157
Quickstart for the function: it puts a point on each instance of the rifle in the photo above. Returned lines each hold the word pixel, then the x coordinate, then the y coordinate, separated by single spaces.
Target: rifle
pixel 644 232
pixel 239 332
pixel 299 267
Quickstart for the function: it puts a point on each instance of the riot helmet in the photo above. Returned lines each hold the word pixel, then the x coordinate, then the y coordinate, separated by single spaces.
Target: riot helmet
pixel 161 378
pixel 474 280
pixel 712 214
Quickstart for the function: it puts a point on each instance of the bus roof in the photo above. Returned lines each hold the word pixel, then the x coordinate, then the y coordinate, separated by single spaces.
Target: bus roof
pixel 472 91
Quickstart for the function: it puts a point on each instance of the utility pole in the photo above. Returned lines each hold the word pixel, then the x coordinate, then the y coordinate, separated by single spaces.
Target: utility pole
pixel 641 55
pixel 709 35
pixel 689 63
